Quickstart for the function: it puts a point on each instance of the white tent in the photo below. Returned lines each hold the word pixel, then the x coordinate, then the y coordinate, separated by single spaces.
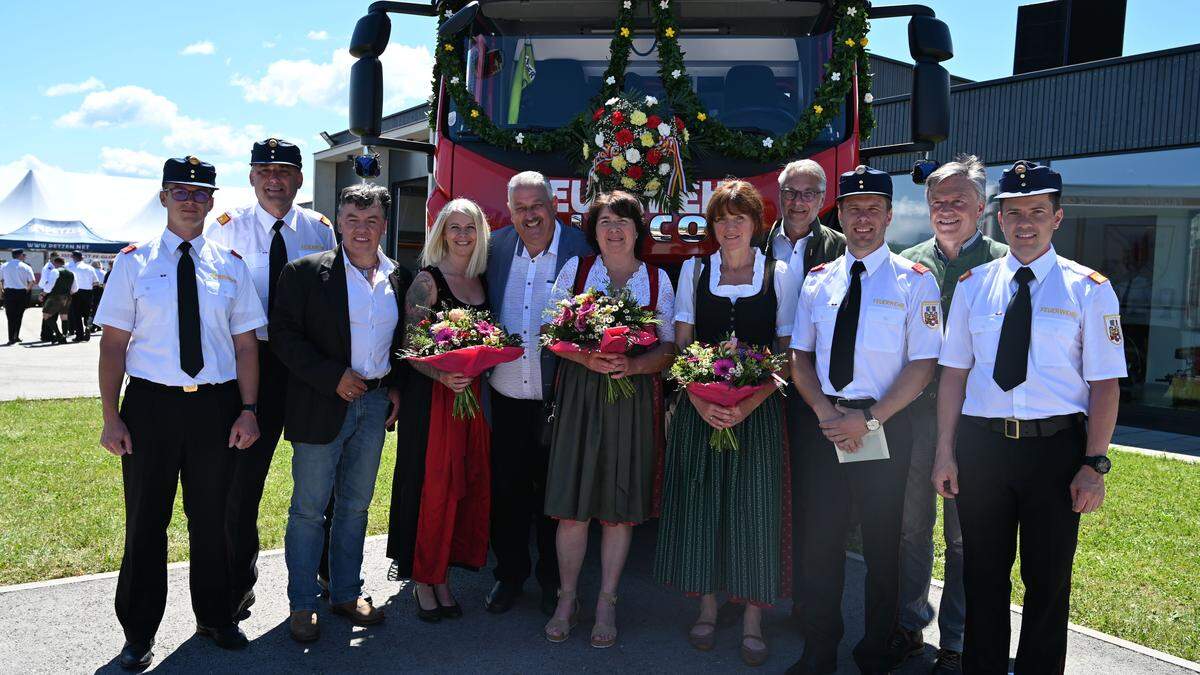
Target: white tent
pixel 114 207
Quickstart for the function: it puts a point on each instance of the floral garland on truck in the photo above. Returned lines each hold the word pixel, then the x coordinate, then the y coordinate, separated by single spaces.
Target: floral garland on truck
pixel 849 58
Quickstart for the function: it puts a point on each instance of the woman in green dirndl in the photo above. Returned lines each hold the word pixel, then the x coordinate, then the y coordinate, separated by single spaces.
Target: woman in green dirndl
pixel 721 527
pixel 602 454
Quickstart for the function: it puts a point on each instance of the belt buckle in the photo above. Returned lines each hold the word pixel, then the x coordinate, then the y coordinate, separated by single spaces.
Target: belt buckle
pixel 1016 428
pixel 189 388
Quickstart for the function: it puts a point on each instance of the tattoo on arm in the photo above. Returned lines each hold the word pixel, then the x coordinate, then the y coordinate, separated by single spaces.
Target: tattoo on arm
pixel 418 306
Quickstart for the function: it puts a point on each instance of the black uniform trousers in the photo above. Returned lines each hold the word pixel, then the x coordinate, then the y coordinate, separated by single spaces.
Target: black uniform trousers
pixel 15 302
pixel 178 437
pixel 519 465
pixel 1017 491
pixel 800 420
pixel 81 309
pixel 831 492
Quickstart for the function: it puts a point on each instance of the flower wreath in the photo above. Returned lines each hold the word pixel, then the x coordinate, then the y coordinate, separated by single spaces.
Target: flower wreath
pixel 849 56
pixel 633 148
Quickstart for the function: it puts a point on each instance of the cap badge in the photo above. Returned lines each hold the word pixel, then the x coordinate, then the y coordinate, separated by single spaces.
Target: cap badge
pixel 1019 169
pixel 860 169
pixel 272 142
pixel 193 160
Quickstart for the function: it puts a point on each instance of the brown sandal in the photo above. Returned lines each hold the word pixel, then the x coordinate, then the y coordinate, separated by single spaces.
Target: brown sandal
pixel 558 630
pixel 605 629
pixel 703 642
pixel 754 657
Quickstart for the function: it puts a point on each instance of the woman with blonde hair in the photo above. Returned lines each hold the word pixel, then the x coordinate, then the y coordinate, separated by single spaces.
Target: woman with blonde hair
pixel 441 488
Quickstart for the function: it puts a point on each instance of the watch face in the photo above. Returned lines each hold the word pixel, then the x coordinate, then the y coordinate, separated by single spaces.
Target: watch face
pixel 1100 463
pixel 872 425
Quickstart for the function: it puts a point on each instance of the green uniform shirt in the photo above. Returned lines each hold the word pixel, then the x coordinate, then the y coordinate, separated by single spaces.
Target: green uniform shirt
pixel 946 272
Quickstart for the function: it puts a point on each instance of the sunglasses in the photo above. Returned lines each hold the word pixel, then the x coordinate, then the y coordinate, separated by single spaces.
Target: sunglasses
pixel 182 195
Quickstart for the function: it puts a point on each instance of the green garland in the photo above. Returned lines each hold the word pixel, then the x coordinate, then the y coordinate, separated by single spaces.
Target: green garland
pixel 849 56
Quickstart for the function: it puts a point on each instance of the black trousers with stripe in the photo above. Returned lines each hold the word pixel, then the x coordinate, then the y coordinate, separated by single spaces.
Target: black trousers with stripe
pixel 177 437
pixel 1015 495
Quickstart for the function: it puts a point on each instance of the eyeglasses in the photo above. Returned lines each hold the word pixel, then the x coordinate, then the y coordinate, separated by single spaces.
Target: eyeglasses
pixel 790 195
pixel 182 195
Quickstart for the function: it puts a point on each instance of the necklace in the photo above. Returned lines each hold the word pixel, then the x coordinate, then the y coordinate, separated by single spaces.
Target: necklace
pixel 367 272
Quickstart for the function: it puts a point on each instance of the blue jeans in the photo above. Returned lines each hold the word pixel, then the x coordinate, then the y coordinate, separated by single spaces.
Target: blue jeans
pixel 347 465
pixel 916 540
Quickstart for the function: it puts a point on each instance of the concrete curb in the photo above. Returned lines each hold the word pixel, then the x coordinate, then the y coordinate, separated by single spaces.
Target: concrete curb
pixel 1189 459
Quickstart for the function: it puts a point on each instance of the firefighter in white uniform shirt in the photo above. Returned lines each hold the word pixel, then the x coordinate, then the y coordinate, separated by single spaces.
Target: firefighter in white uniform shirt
pixel 1026 409
pixel 268 234
pixel 179 317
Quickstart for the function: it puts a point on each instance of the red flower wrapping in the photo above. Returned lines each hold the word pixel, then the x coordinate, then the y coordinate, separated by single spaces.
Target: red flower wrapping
pixel 471 361
pixel 624 136
pixel 634 172
pixel 722 394
pixel 616 340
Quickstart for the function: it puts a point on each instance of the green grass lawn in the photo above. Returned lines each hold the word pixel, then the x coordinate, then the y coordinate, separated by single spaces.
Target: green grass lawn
pixel 1137 572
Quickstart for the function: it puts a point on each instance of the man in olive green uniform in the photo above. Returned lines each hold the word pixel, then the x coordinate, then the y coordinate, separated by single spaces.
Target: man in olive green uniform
pixel 956 196
pixel 799 239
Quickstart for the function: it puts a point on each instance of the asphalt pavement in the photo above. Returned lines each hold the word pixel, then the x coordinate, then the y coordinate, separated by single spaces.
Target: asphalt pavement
pixel 35 370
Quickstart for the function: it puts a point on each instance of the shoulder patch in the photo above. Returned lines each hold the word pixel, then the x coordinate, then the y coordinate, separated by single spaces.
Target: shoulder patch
pixel 1097 277
pixel 129 248
pixel 919 268
pixel 326 221
pixel 223 218
pixel 236 254
pixel 818 268
pixel 965 275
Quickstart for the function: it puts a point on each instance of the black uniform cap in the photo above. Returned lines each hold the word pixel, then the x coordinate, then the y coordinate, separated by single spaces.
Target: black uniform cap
pixel 1025 178
pixel 189 171
pixel 275 151
pixel 864 180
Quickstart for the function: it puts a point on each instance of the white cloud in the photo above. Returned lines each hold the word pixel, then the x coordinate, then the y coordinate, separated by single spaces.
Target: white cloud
pixel 406 72
pixel 268 45
pixel 127 162
pixel 66 88
pixel 203 48
pixel 318 35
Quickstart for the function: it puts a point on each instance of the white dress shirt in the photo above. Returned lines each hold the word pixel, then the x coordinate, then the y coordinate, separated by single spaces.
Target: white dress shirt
pixel 638 285
pixel 250 231
pixel 784 282
pixel 526 295
pixel 49 278
pixel 792 254
pixel 142 298
pixel 85 274
pixel 17 275
pixel 1076 337
pixel 373 318
pixel 899 320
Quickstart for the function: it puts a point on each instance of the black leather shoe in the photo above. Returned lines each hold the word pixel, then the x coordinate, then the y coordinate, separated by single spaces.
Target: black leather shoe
pixel 450 611
pixel 501 598
pixel 228 636
pixel 948 662
pixel 243 609
pixel 427 615
pixel 136 655
pixel 905 643
pixel 549 601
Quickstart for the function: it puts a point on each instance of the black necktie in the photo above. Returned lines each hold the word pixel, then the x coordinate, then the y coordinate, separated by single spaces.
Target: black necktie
pixel 845 331
pixel 1012 355
pixel 191 359
pixel 278 260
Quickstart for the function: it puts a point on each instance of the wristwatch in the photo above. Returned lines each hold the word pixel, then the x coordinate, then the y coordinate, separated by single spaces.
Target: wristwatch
pixel 250 407
pixel 1099 463
pixel 872 423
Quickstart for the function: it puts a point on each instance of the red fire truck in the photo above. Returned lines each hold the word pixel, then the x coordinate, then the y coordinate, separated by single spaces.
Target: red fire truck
pixel 535 65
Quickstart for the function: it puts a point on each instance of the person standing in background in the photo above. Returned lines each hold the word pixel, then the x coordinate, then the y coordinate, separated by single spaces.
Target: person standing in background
pixel 18 280
pixel 81 300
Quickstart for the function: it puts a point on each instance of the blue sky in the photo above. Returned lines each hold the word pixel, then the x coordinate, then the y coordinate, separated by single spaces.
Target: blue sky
pixel 116 87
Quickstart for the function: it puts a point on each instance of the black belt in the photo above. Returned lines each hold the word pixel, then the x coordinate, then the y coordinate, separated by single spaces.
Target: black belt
pixel 855 403
pixel 374 383
pixel 1016 429
pixel 187 388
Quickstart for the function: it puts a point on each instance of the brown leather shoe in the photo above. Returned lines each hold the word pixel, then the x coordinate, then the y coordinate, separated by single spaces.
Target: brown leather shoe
pixel 359 611
pixel 303 626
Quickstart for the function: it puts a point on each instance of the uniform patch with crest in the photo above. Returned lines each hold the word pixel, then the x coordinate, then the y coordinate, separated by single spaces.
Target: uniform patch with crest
pixel 931 314
pixel 223 218
pixel 1112 328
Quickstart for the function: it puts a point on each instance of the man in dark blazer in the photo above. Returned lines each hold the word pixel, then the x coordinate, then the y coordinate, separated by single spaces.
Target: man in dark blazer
pixel 337 325
pixel 523 262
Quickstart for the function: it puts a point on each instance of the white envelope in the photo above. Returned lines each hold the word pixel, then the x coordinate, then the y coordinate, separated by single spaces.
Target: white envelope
pixel 874 446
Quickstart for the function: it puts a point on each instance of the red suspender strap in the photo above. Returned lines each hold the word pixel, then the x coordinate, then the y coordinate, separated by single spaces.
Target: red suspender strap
pixel 652 272
pixel 581 273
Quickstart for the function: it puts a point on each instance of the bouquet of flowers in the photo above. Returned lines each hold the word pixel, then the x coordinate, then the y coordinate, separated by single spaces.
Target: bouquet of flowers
pixel 597 322
pixel 633 148
pixel 463 341
pixel 726 374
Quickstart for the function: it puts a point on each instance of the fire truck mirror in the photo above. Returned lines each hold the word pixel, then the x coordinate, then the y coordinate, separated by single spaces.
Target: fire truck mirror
pixel 371 35
pixel 366 97
pixel 929 39
pixel 930 103
pixel 459 21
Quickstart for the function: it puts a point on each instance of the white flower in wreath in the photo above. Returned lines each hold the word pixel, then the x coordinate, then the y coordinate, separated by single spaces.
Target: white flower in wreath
pixel 851 11
pixel 768 142
pixel 664 169
pixel 610 80
pixel 449 13
pixel 520 138
pixel 454 80
pixel 677 73
pixel 650 100
pixel 836 77
pixel 664 4
pixel 664 129
pixel 627 4
pixel 868 98
pixel 611 101
pixel 633 156
pixel 599 140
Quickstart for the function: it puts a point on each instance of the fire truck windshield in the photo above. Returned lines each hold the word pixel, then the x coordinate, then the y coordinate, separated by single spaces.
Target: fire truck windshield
pixel 541 82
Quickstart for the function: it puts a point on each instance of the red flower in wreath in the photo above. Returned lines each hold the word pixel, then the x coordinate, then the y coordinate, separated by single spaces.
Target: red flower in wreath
pixel 604 169
pixel 617 117
pixel 653 156
pixel 634 171
pixel 598 114
pixel 624 136
pixel 653 121
pixel 678 123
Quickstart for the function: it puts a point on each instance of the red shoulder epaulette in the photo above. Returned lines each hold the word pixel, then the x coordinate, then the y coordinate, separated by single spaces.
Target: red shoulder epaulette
pixel 1097 277
pixel 818 268
pixel 236 254
pixel 919 268
pixel 965 275
pixel 129 248
pixel 326 221
pixel 223 218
